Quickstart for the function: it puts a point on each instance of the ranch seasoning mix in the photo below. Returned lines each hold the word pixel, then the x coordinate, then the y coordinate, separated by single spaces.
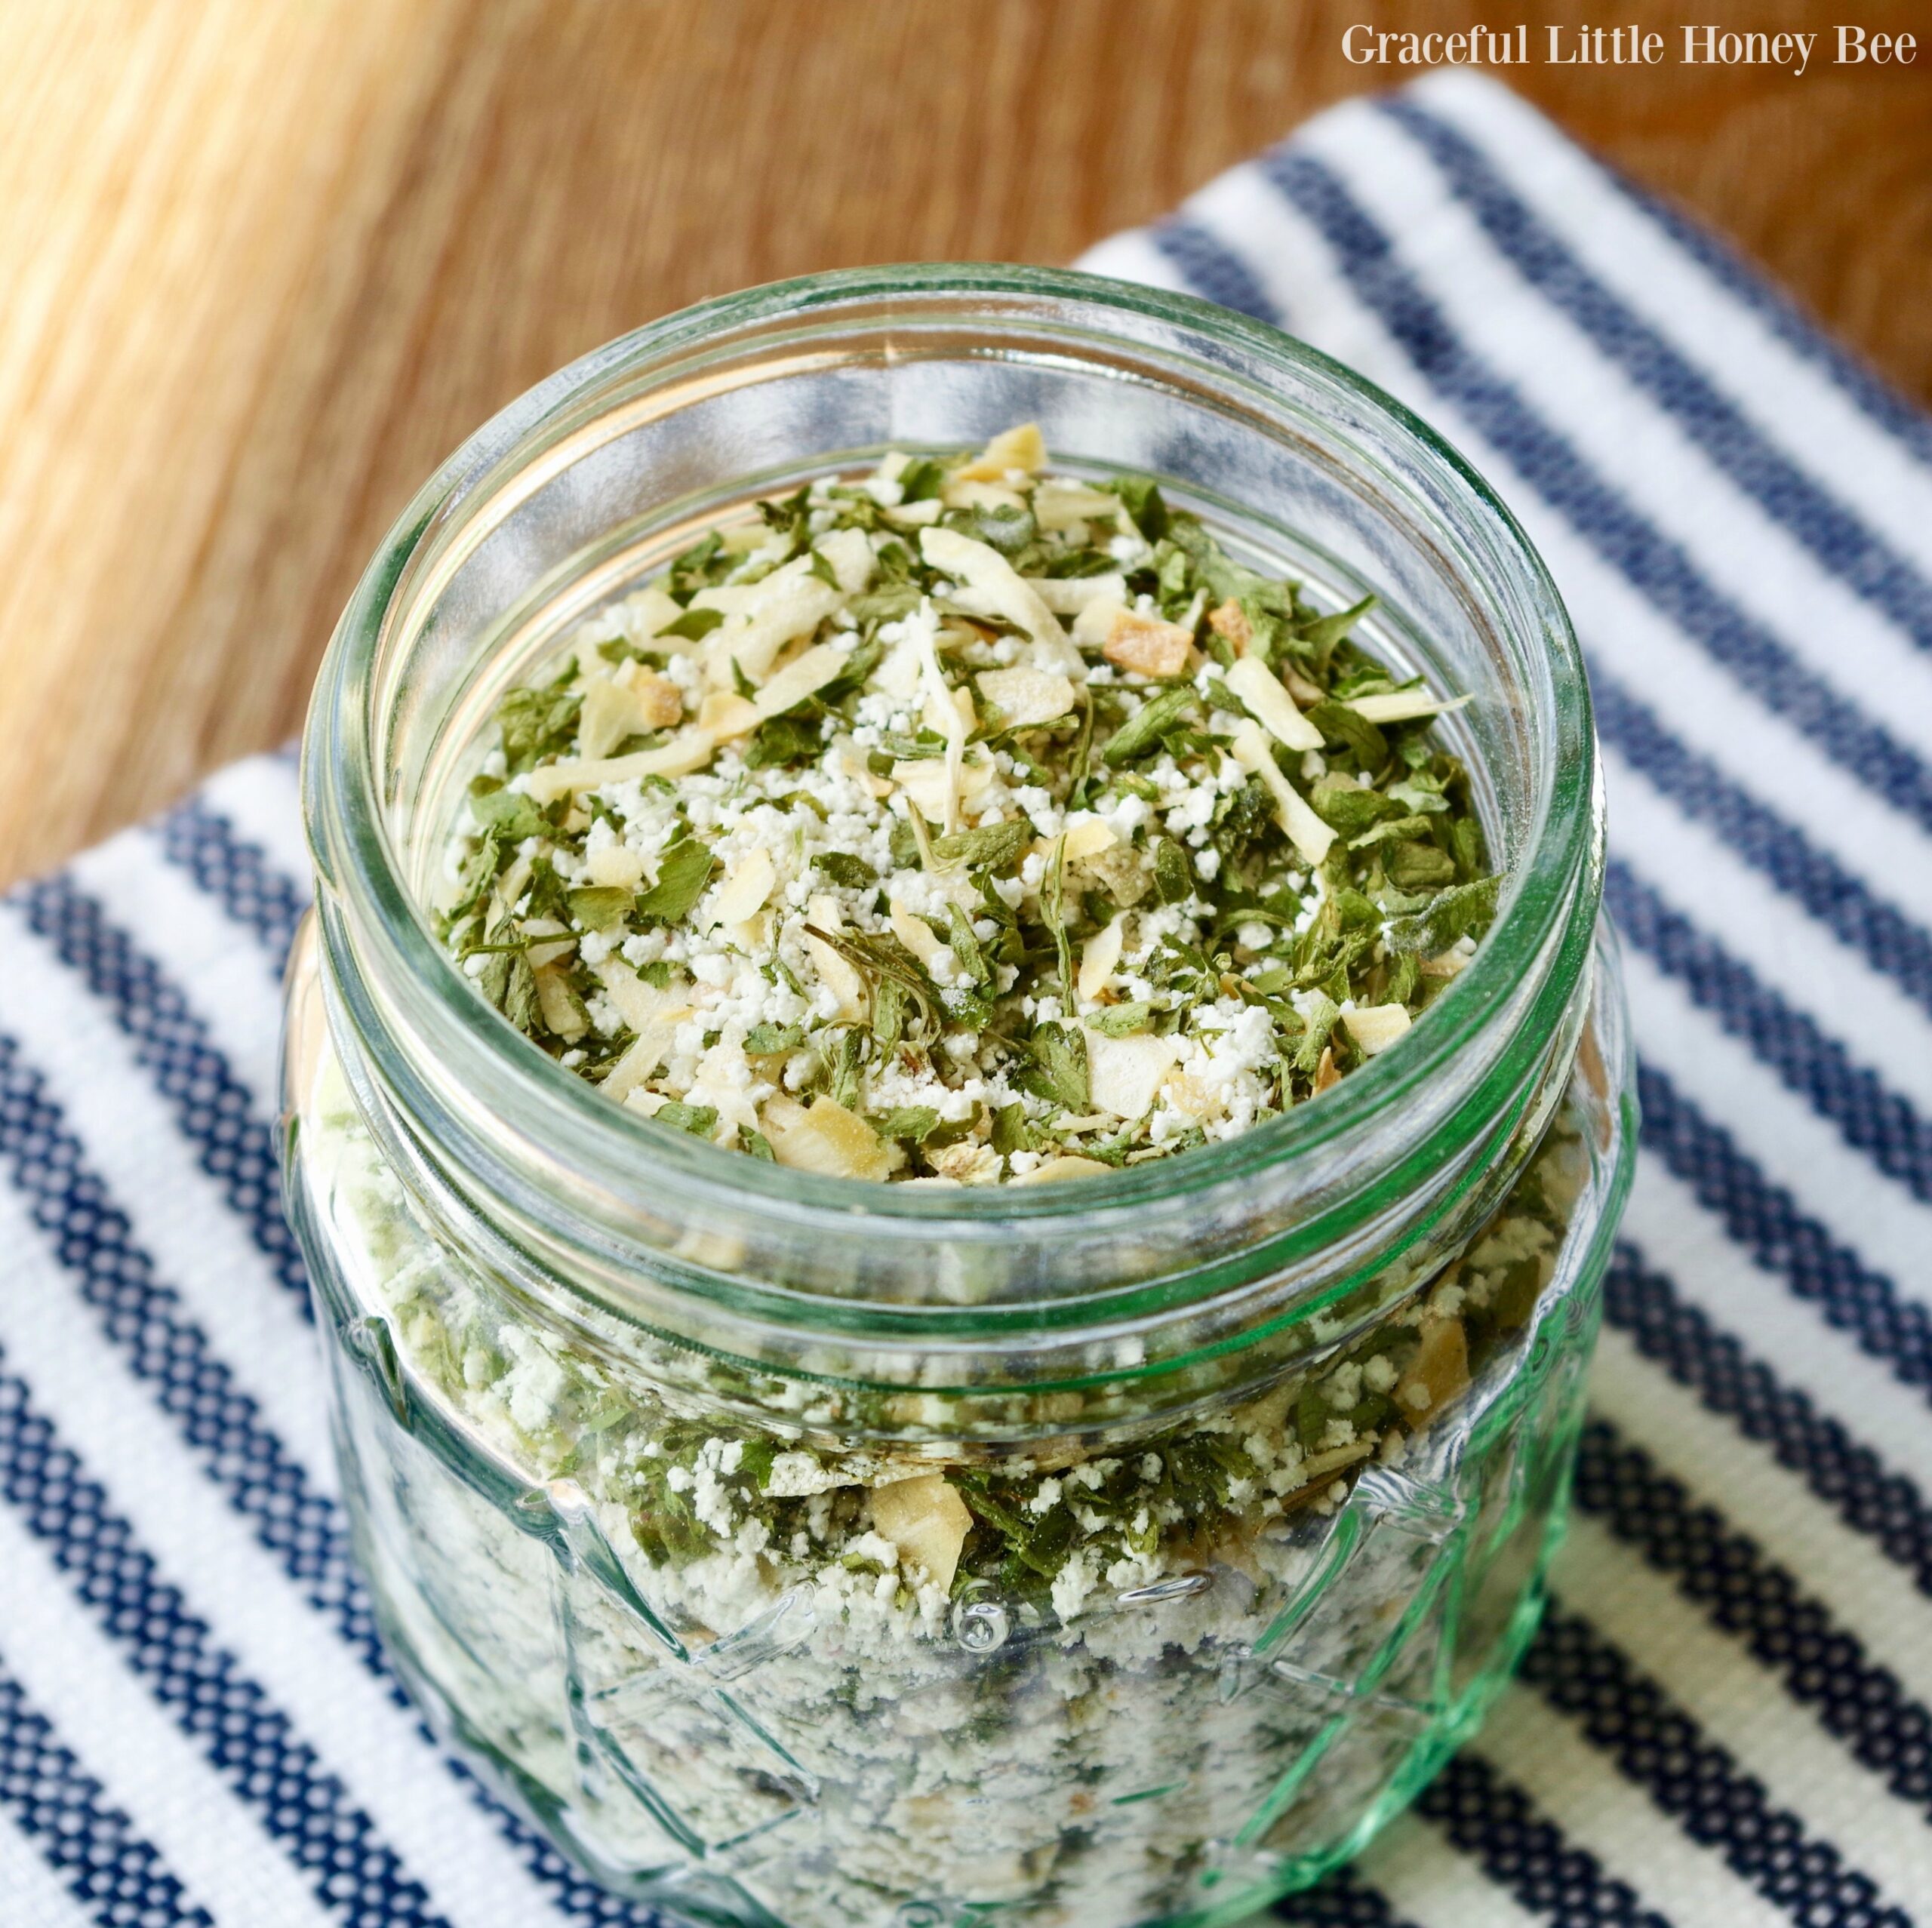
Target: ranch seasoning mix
pixel 957 824
pixel 964 824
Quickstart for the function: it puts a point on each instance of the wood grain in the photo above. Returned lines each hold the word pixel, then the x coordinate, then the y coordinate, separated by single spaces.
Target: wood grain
pixel 266 262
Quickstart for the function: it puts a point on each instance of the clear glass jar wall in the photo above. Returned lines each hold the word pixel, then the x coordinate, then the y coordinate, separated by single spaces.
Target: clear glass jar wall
pixel 616 1410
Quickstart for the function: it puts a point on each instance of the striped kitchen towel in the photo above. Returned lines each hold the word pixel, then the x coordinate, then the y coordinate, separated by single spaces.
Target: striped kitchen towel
pixel 1725 1720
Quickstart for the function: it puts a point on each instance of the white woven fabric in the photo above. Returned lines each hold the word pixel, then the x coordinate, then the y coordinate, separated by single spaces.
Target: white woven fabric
pixel 1725 1722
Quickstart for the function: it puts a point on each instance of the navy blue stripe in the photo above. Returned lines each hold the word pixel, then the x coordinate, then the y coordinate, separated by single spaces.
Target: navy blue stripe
pixel 211 1105
pixel 1871 1118
pixel 1657 567
pixel 236 873
pixel 111 1870
pixel 1888 941
pixel 1670 1331
pixel 1494 1821
pixel 571 1895
pixel 1218 274
pixel 1869 392
pixel 249 1741
pixel 1834 534
pixel 1655 1744
pixel 142 1319
pixel 1344 1900
pixel 1765 1220
pixel 1786 1630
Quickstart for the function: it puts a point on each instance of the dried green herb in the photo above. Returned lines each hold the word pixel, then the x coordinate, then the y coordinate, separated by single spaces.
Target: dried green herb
pixel 1143 731
pixel 694 625
pixel 990 848
pixel 510 814
pixel 1056 1067
pixel 600 907
pixel 683 874
pixel 764 1040
pixel 1217 913
pixel 844 868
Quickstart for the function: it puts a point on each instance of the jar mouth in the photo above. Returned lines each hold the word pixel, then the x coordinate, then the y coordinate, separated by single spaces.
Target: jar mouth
pixel 463 1051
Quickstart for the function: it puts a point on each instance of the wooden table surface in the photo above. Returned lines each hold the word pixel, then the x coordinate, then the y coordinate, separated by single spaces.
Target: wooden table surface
pixel 266 261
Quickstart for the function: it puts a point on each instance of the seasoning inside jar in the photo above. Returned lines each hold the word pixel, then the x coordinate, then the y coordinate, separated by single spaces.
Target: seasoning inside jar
pixel 962 823
pixel 833 1555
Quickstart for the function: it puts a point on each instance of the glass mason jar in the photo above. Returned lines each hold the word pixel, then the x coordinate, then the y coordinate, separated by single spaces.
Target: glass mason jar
pixel 605 1393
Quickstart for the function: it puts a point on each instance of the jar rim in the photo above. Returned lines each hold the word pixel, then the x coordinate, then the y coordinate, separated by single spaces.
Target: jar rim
pixel 1548 900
